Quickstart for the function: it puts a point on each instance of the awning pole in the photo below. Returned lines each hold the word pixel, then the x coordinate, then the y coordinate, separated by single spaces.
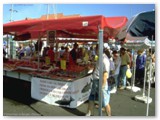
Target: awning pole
pixel 149 84
pixel 39 39
pixel 134 68
pixel 100 39
pixel 7 46
pixel 149 81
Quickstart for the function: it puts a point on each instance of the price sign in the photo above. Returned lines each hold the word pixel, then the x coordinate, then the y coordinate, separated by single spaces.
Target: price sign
pixel 51 35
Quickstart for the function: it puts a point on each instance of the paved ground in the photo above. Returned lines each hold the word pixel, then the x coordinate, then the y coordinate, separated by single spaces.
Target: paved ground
pixel 17 102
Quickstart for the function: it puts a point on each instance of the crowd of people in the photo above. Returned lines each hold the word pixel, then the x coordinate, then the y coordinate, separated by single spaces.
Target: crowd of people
pixel 70 53
pixel 115 65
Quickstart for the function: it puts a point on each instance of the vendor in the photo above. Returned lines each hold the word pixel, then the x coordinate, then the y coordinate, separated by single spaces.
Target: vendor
pixel 45 51
pixel 73 52
pixel 21 51
pixel 65 54
pixel 29 50
pixel 38 45
pixel 50 53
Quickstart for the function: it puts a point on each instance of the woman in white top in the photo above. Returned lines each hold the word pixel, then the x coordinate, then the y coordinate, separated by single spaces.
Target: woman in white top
pixel 117 63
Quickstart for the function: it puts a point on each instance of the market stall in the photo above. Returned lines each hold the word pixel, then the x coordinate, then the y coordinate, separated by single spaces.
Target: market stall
pixel 53 86
pixel 72 87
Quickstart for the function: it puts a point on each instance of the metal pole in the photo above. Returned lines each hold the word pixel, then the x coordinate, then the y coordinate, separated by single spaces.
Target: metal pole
pixel 11 12
pixel 7 46
pixel 39 39
pixel 55 14
pixel 144 81
pixel 134 68
pixel 100 39
pixel 149 85
pixel 47 11
pixel 149 82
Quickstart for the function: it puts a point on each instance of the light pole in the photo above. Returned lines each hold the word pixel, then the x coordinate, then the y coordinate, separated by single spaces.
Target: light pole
pixel 10 43
pixel 11 14
pixel 54 7
pixel 47 11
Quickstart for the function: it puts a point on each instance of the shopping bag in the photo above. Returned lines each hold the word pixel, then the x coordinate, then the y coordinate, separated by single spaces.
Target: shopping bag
pixel 128 73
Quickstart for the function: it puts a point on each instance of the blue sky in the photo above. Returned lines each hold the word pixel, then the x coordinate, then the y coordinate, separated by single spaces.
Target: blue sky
pixel 108 10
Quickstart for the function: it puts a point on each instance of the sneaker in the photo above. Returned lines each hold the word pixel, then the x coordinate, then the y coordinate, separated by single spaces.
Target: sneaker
pixel 114 90
pixel 97 106
pixel 88 114
pixel 122 88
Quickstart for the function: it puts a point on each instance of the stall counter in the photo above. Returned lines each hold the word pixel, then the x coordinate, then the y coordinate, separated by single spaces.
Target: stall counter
pixel 61 93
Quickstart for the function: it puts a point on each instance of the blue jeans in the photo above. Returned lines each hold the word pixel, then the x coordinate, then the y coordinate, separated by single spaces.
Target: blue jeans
pixel 95 93
pixel 116 80
pixel 122 75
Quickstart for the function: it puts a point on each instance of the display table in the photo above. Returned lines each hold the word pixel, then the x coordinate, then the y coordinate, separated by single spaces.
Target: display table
pixel 66 93
pixel 61 93
pixel 18 74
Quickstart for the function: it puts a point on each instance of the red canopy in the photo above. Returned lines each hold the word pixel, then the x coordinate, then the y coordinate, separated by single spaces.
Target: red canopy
pixel 18 26
pixel 80 27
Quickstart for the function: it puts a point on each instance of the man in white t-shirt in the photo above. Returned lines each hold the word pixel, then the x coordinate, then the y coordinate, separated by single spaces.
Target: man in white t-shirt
pixel 105 87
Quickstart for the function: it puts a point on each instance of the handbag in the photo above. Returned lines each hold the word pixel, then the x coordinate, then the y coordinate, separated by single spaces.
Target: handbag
pixel 111 80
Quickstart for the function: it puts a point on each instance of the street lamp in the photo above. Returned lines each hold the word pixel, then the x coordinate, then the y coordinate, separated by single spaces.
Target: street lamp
pixel 12 10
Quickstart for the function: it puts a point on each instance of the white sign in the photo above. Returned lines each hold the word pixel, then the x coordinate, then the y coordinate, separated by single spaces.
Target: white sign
pixel 85 23
pixel 61 93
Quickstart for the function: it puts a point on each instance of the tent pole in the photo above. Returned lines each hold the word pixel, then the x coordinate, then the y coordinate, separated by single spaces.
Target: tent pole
pixel 100 39
pixel 39 38
pixel 134 68
pixel 149 81
pixel 144 81
pixel 149 85
pixel 7 46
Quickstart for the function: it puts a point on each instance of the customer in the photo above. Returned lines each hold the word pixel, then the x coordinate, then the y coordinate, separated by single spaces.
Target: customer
pixel 105 88
pixel 117 63
pixel 140 67
pixel 125 64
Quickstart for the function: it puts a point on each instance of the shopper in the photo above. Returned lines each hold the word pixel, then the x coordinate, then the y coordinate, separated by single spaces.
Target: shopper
pixel 140 67
pixel 125 64
pixel 105 87
pixel 117 63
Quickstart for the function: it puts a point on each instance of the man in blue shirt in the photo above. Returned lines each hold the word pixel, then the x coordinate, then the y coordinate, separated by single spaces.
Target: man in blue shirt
pixel 140 67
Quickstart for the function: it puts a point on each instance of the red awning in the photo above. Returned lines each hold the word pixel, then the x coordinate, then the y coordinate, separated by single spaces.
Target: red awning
pixel 80 27
pixel 18 26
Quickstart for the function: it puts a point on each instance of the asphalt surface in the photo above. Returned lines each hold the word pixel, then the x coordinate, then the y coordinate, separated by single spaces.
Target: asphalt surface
pixel 17 101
